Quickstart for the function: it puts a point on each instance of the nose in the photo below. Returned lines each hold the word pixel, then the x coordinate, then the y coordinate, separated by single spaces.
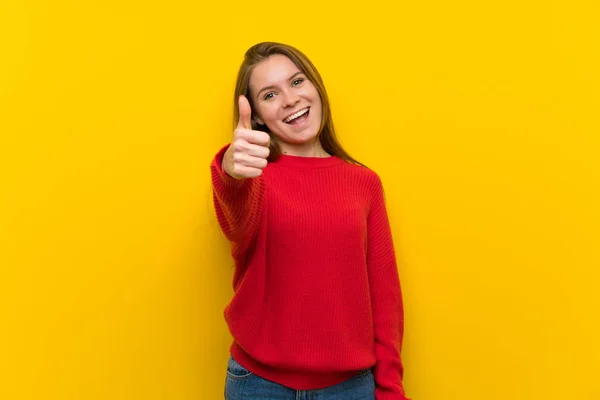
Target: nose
pixel 290 98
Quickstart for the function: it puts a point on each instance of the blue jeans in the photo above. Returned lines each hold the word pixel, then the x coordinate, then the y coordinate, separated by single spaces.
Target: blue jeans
pixel 241 384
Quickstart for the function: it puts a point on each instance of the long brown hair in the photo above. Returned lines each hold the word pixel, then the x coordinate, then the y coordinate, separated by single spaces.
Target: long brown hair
pixel 263 50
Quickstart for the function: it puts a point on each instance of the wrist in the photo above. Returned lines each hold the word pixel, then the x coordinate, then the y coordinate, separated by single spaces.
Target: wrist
pixel 223 164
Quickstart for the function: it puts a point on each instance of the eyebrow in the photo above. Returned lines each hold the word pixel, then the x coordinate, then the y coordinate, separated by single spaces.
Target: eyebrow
pixel 272 87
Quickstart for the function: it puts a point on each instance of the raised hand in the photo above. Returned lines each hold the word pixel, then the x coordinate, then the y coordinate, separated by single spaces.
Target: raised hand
pixel 247 155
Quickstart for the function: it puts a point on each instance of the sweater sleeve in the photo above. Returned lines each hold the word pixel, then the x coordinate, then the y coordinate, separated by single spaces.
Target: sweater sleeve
pixel 238 204
pixel 386 300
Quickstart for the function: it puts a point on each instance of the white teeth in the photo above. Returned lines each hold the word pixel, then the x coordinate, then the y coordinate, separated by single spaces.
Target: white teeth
pixel 296 115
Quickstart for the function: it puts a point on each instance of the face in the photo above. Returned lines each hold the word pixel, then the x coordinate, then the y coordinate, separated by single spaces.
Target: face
pixel 279 90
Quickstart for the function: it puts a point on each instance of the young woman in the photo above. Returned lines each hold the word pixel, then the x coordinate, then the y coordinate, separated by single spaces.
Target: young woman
pixel 317 311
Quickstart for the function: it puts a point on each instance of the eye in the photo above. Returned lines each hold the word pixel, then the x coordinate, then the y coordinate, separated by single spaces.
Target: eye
pixel 299 80
pixel 267 96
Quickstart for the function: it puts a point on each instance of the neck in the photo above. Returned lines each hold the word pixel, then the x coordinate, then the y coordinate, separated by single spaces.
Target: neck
pixel 303 150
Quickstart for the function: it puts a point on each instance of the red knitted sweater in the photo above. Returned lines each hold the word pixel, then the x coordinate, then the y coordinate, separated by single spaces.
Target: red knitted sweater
pixel 317 292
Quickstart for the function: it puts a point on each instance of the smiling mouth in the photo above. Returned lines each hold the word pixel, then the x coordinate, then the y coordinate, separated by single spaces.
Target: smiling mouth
pixel 300 118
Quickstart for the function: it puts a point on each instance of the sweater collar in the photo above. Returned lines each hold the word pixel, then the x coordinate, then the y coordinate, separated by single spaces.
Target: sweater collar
pixel 307 162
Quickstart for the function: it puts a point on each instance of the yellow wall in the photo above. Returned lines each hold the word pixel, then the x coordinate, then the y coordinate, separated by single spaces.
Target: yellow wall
pixel 482 120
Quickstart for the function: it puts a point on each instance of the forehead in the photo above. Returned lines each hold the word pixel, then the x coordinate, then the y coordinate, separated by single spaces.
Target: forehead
pixel 273 70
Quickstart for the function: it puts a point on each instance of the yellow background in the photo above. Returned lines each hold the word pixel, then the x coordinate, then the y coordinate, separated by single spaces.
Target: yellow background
pixel 481 118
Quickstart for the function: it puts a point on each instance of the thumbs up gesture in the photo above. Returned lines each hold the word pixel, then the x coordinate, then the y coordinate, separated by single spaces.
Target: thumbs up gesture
pixel 247 155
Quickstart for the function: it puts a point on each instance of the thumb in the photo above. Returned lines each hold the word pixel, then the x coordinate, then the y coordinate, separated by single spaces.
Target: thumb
pixel 245 112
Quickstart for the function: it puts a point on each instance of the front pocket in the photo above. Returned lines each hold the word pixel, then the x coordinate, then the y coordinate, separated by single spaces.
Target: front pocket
pixel 235 370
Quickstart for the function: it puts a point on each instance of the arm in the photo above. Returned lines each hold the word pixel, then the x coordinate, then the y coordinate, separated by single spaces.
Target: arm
pixel 386 300
pixel 238 203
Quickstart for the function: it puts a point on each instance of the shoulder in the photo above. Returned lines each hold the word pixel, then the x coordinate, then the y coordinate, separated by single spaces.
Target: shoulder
pixel 365 177
pixel 358 169
pixel 364 172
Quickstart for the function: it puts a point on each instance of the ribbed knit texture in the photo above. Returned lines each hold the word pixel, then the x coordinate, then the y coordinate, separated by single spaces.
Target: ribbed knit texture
pixel 317 292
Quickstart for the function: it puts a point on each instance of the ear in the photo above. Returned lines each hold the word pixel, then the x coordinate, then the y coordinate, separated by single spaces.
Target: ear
pixel 259 121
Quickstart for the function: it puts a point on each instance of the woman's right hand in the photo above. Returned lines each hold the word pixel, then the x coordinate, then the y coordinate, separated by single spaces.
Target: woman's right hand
pixel 247 155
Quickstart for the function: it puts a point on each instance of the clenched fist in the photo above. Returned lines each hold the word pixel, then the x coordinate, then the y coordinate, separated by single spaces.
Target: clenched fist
pixel 247 155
